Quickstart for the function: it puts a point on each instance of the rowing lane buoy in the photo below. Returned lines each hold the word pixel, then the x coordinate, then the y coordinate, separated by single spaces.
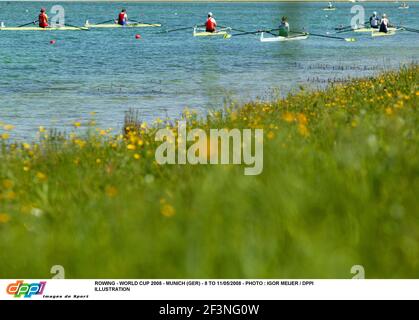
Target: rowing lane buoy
pixel 137 36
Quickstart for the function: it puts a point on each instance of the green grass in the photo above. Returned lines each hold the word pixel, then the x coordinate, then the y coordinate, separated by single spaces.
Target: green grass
pixel 339 188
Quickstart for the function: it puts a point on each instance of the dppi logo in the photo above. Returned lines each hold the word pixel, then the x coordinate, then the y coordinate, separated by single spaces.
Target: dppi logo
pixel 27 290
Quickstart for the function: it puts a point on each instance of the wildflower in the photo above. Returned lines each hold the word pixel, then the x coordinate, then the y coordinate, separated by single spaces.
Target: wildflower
pixel 131 147
pixel 288 117
pixel 389 111
pixel 137 156
pixel 77 124
pixel 302 129
pixel 8 184
pixel 36 212
pixel 41 129
pixel 111 191
pixel 167 210
pixel 26 168
pixel 4 218
pixel 8 127
pixel 5 136
pixel 10 195
pixel 270 135
pixel 302 119
pixel 41 176
pixel 26 146
pixel 98 161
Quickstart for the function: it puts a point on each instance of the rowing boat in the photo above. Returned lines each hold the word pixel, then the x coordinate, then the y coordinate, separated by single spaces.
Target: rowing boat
pixel 371 29
pixel 42 29
pixel 376 33
pixel 329 9
pixel 115 25
pixel 302 36
pixel 200 32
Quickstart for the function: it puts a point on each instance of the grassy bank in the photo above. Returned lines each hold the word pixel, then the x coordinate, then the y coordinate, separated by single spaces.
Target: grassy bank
pixel 339 188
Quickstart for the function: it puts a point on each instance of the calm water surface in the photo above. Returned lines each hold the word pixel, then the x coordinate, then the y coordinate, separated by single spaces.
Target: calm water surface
pixel 109 71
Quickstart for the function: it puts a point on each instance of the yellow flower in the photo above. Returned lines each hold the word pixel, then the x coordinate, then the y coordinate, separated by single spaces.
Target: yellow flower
pixel 111 191
pixel 8 184
pixel 271 135
pixel 42 129
pixel 26 146
pixel 167 210
pixel 302 119
pixel 26 168
pixel 41 176
pixel 5 136
pixel 288 117
pixel 8 127
pixel 389 111
pixel 98 161
pixel 10 195
pixel 103 132
pixel 131 147
pixel 137 156
pixel 302 129
pixel 4 218
pixel 76 124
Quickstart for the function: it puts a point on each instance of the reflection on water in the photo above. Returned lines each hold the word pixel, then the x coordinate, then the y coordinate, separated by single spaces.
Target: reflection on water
pixel 109 71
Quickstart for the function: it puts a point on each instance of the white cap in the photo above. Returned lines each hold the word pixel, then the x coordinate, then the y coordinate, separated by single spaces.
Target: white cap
pixel 209 14
pixel 374 13
pixel 384 15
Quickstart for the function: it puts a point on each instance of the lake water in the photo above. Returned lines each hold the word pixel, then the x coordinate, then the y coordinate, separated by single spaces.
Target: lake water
pixel 109 71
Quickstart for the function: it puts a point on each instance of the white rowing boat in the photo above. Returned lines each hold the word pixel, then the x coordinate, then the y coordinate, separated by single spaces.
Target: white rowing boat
pixel 302 36
pixel 371 29
pixel 115 25
pixel 376 33
pixel 329 9
pixel 42 29
pixel 200 32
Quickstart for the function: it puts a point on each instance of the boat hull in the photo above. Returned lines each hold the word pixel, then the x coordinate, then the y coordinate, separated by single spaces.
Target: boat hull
pixel 282 39
pixel 372 30
pixel 117 26
pixel 202 33
pixel 42 29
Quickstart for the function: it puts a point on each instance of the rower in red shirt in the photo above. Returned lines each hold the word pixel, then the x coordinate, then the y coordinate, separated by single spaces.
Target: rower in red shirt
pixel 211 24
pixel 123 18
pixel 43 19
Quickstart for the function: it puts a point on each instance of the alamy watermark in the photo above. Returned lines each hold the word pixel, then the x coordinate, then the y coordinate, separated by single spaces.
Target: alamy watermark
pixel 221 146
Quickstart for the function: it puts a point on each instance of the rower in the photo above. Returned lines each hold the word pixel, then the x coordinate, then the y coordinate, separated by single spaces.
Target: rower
pixel 123 18
pixel 330 5
pixel 284 27
pixel 43 19
pixel 374 20
pixel 384 24
pixel 210 24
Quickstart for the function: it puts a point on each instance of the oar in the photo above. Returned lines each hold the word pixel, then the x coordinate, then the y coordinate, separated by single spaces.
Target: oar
pixel 253 32
pixel 107 21
pixel 233 29
pixel 180 29
pixel 350 26
pixel 325 36
pixel 410 29
pixel 80 28
pixel 149 24
pixel 27 24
